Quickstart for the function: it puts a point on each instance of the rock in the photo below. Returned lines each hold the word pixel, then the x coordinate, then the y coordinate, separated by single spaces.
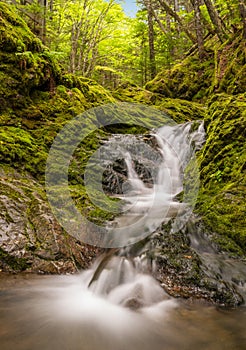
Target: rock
pixel 195 271
pixel 30 237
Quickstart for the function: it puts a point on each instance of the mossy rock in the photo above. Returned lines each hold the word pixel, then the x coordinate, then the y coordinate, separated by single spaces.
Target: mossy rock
pixel 230 69
pixel 223 178
pixel 31 238
pixel 179 110
pixel 18 147
pixel 26 63
pixel 188 80
pixel 133 93
pixel 182 111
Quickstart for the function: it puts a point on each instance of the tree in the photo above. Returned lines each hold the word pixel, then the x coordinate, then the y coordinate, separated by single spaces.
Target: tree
pixel 147 3
pixel 215 19
pixel 199 28
pixel 173 14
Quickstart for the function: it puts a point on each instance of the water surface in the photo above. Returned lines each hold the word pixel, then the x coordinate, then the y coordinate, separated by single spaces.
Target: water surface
pixel 58 313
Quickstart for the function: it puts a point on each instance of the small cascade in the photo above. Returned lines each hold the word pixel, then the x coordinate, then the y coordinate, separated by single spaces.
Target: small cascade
pixel 147 206
pixel 126 281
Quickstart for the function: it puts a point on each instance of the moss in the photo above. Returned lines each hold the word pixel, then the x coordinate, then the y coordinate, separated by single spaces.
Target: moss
pixel 229 72
pixel 36 99
pixel 222 162
pixel 188 80
pixel 179 110
pixel 17 146
pixel 133 93
pixel 182 111
pixel 25 62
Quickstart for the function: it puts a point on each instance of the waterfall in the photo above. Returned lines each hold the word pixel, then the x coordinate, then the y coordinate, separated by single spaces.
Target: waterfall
pixel 147 205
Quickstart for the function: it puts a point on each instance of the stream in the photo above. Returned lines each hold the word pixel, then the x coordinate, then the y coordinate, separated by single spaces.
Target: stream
pixel 117 304
pixel 58 313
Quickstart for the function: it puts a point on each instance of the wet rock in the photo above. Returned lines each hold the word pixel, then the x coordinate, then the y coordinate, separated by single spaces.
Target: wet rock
pixel 30 237
pixel 189 271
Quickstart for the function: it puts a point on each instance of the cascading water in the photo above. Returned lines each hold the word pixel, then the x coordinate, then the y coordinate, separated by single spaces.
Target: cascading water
pixel 117 278
pixel 150 204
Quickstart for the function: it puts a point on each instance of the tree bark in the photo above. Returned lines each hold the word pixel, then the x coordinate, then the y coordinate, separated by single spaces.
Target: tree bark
pixel 215 19
pixel 161 26
pixel 199 28
pixel 151 40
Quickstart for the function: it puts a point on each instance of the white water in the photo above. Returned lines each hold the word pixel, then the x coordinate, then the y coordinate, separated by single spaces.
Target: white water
pixel 148 207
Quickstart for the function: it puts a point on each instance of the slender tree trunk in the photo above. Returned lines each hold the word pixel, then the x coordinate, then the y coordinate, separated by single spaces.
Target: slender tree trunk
pixel 151 40
pixel 43 28
pixel 73 50
pixel 199 28
pixel 215 19
pixel 242 10
pixel 160 24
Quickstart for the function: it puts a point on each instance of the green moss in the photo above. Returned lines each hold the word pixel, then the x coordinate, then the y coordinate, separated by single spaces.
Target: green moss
pixel 188 80
pixel 181 110
pixel 133 93
pixel 17 146
pixel 222 162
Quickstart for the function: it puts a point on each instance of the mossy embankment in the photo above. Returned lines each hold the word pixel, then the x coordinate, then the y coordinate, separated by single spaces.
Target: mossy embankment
pixel 223 172
pixel 222 70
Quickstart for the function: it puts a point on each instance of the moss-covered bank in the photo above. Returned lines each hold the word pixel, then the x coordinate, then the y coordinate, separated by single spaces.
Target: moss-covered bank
pixel 36 99
pixel 223 172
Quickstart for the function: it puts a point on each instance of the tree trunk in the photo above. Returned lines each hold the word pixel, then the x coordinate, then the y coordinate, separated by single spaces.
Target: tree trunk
pixel 44 4
pixel 242 10
pixel 215 19
pixel 161 26
pixel 151 40
pixel 199 28
pixel 176 9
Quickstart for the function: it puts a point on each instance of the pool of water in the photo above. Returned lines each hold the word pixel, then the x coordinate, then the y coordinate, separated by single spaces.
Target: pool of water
pixel 57 313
